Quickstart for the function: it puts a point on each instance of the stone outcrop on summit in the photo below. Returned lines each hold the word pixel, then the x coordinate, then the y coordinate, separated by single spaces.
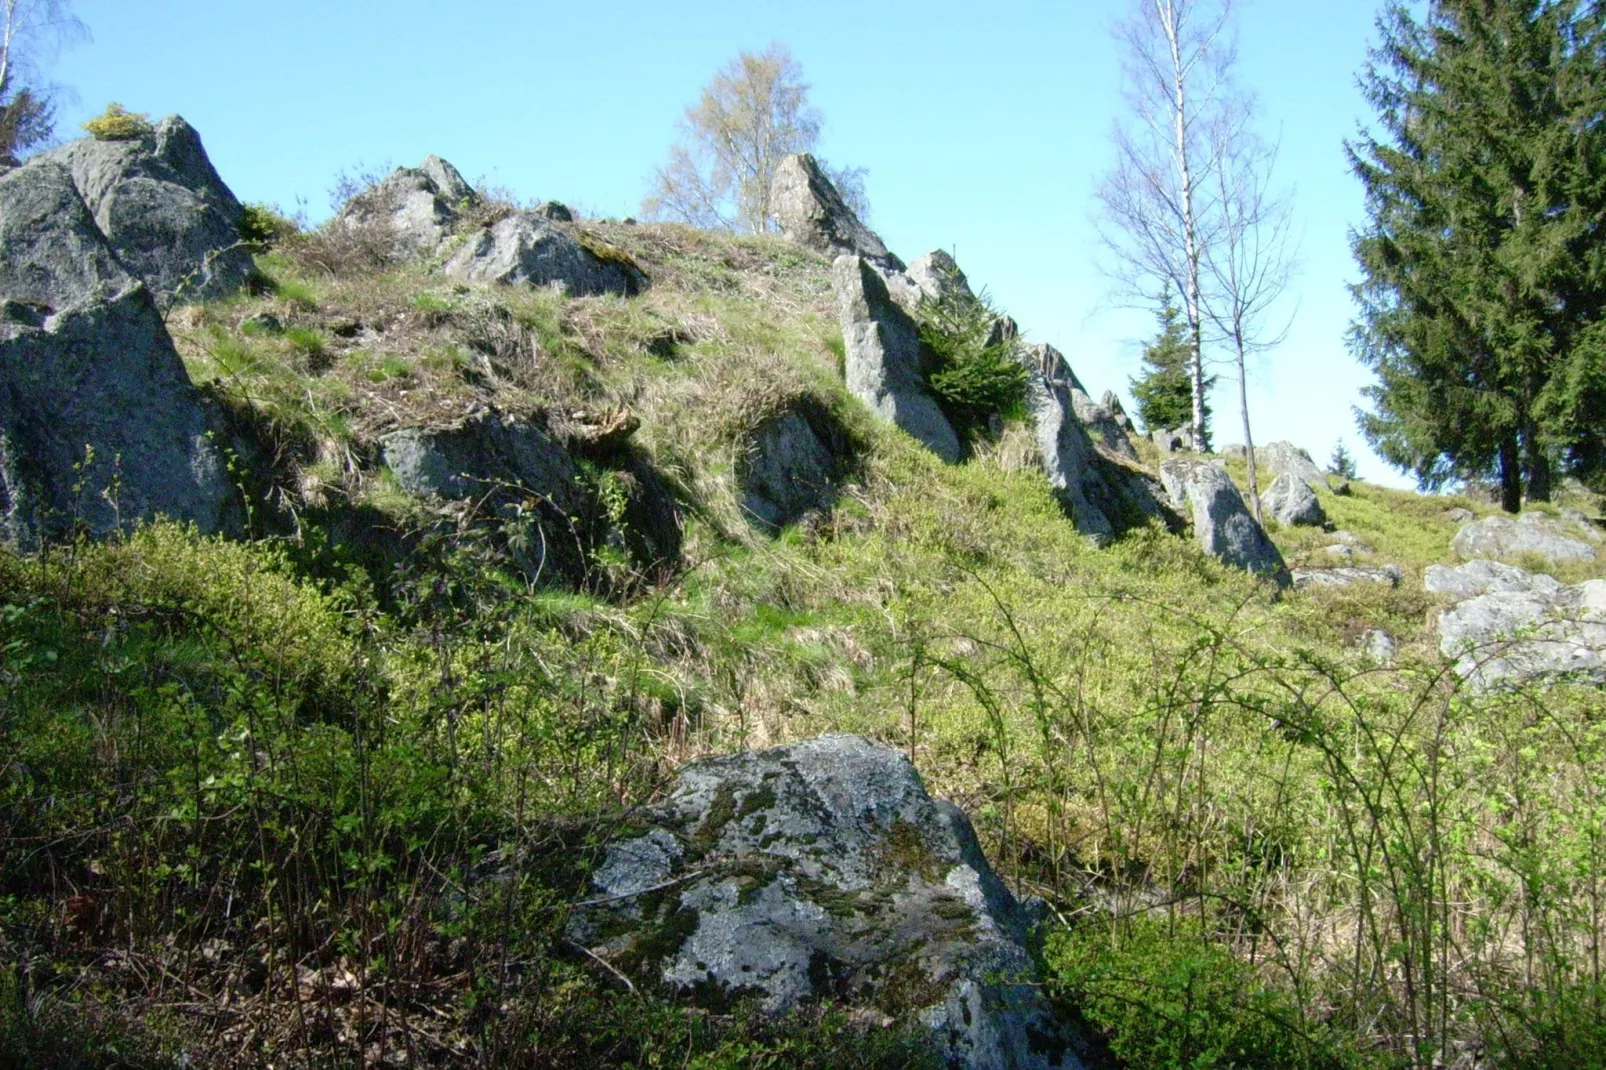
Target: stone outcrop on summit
pixel 162 208
pixel 421 204
pixel 100 425
pixel 1529 533
pixel 1510 626
pixel 823 870
pixel 812 213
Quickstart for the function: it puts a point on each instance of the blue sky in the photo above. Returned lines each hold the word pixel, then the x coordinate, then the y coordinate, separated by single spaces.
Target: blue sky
pixel 985 128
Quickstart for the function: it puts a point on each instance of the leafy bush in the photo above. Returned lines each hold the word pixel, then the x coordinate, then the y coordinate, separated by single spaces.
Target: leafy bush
pixel 262 227
pixel 1164 1000
pixel 117 123
pixel 972 372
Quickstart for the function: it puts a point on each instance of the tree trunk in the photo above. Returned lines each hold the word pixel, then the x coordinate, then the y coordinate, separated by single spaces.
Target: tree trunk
pixel 1536 467
pixel 1190 236
pixel 1510 477
pixel 1249 439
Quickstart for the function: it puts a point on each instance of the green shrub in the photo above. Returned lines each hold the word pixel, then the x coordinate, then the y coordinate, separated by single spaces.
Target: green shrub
pixel 973 375
pixel 261 227
pixel 1176 1000
pixel 117 123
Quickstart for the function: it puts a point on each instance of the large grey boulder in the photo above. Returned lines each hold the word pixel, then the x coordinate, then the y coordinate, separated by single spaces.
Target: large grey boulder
pixel 1558 541
pixel 936 274
pixel 100 425
pixel 824 871
pixel 527 248
pixel 1222 525
pixel 422 204
pixel 1512 626
pixel 1100 495
pixel 163 209
pixel 792 465
pixel 812 213
pixel 1290 501
pixel 882 350
pixel 1286 458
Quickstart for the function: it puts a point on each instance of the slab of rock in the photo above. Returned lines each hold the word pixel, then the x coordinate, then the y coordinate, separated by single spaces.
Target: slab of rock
pixel 1176 440
pixel 812 213
pixel 882 349
pixel 793 464
pixel 1290 501
pixel 937 275
pixel 1106 423
pixel 1558 541
pixel 824 871
pixel 1460 515
pixel 1387 575
pixel 1285 457
pixel 164 211
pixel 421 203
pixel 1101 495
pixel 1512 626
pixel 85 361
pixel 527 248
pixel 1222 525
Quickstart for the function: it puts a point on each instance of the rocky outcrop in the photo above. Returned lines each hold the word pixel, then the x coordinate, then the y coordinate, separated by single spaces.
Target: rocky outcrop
pixel 421 204
pixel 1285 458
pixel 164 211
pixel 1105 420
pixel 812 213
pixel 99 423
pixel 1509 626
pixel 1290 501
pixel 527 248
pixel 824 871
pixel 1101 496
pixel 1222 525
pixel 882 351
pixel 1557 541
pixel 937 275
pixel 1176 440
pixel 792 465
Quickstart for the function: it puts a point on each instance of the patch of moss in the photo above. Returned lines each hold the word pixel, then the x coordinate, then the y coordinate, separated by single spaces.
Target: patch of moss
pixel 720 812
pixel 903 985
pixel 834 901
pixel 903 852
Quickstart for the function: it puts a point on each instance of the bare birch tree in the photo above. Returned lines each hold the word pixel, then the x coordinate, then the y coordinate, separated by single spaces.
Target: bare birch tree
pixel 1157 216
pixel 752 115
pixel 1251 260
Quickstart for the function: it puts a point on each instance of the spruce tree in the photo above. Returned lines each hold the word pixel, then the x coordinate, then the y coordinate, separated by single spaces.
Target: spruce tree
pixel 1482 279
pixel 1164 389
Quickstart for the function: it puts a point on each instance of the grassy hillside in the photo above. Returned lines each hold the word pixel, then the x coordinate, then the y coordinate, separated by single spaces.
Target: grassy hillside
pixel 326 792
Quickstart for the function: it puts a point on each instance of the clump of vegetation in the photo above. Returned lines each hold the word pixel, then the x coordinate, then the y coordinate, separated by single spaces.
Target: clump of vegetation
pixel 117 123
pixel 262 227
pixel 970 368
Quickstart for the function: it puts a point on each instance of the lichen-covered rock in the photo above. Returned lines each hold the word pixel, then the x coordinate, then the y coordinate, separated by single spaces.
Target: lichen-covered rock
pixel 164 211
pixel 1285 458
pixel 527 248
pixel 1100 495
pixel 99 423
pixel 1290 501
pixel 882 352
pixel 823 870
pixel 812 213
pixel 421 203
pixel 1346 576
pixel 1511 626
pixel 1558 541
pixel 1222 525
pixel 793 464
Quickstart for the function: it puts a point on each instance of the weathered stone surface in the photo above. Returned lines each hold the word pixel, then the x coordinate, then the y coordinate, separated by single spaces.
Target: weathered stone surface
pixel 164 211
pixel 1175 440
pixel 1107 423
pixel 1380 645
pixel 554 210
pixel 1285 457
pixel 1530 533
pixel 1307 578
pixel 937 275
pixel 1099 494
pixel 85 361
pixel 1512 626
pixel 883 357
pixel 1221 524
pixel 1290 502
pixel 1111 401
pixel 812 213
pixel 823 870
pixel 793 464
pixel 525 248
pixel 422 203
pixel 1460 515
